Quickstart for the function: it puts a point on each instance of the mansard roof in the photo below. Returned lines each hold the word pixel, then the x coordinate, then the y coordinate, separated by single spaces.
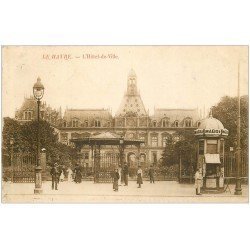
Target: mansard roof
pixel 86 114
pixel 176 114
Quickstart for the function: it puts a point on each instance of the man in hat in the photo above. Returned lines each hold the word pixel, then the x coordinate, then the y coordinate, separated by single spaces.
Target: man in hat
pixel 55 176
pixel 116 178
pixel 125 174
pixel 151 174
pixel 198 179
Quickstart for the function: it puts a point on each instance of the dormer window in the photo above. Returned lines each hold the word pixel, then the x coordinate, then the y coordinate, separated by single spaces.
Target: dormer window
pixel 165 123
pixel 188 123
pixel 27 115
pixel 75 123
pixel 97 123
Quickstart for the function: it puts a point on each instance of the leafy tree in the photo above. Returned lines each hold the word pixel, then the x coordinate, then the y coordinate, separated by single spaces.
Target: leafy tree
pixel 25 140
pixel 168 155
pixel 227 112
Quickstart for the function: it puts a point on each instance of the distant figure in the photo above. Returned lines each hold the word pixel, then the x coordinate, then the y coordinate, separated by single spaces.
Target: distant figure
pixel 120 175
pixel 125 174
pixel 198 179
pixel 55 176
pixel 62 176
pixel 78 174
pixel 116 178
pixel 70 174
pixel 151 174
pixel 139 177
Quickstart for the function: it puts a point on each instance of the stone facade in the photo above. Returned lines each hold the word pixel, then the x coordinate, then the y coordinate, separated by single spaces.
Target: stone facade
pixel 131 120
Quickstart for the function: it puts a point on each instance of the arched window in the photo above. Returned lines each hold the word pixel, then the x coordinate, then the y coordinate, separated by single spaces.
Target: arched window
pixel 176 124
pixel 154 124
pixel 198 124
pixel 154 141
pixel 86 124
pixel 64 124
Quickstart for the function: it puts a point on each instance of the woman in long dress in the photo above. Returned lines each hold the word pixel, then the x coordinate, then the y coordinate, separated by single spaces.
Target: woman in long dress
pixel 62 176
pixel 116 178
pixel 70 174
pixel 139 177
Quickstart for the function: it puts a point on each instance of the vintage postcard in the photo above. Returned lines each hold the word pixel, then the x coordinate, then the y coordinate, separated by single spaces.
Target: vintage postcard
pixel 125 124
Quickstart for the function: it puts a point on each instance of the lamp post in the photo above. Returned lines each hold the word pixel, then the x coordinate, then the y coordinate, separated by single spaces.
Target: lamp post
pixel 121 151
pixel 238 190
pixel 38 91
pixel 11 158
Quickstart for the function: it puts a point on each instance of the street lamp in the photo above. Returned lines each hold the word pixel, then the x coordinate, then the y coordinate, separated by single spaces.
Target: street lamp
pixel 11 158
pixel 238 189
pixel 38 91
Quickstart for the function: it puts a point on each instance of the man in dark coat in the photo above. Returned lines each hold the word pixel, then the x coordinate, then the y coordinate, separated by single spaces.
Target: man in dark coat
pixel 55 176
pixel 116 178
pixel 151 174
pixel 78 174
pixel 125 174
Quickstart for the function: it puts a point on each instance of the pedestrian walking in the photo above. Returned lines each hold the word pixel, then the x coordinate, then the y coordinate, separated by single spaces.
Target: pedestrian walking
pixel 116 178
pixel 139 177
pixel 78 174
pixel 151 174
pixel 120 175
pixel 198 179
pixel 62 176
pixel 55 176
pixel 70 174
pixel 125 174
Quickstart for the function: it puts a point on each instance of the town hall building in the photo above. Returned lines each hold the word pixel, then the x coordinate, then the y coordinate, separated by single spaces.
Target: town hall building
pixel 131 121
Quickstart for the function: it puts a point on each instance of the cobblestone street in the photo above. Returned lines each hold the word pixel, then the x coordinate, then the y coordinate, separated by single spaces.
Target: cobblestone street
pixel 160 192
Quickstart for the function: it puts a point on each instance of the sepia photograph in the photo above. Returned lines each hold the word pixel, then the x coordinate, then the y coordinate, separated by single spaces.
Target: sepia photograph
pixel 125 124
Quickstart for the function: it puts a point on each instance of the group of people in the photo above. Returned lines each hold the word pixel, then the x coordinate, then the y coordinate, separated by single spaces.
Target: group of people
pixel 117 176
pixel 59 173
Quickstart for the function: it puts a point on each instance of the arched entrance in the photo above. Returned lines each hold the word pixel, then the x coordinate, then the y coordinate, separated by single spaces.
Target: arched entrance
pixel 132 160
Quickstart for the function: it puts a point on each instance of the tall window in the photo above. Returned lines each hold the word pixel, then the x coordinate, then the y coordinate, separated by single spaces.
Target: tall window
pixel 164 140
pixel 142 137
pixel 154 141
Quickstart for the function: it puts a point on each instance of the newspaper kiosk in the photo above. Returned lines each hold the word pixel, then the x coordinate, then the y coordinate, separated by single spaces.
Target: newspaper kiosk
pixel 210 153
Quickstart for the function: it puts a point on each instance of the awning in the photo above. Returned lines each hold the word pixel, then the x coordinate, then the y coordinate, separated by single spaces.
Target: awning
pixel 212 158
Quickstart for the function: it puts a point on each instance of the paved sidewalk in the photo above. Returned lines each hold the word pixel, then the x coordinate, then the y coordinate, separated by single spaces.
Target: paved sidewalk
pixel 88 192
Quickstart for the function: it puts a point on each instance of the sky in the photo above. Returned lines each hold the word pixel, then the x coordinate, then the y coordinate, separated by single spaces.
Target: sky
pixel 167 76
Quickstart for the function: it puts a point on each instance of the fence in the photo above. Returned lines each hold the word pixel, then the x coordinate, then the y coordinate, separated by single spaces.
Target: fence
pixel 230 166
